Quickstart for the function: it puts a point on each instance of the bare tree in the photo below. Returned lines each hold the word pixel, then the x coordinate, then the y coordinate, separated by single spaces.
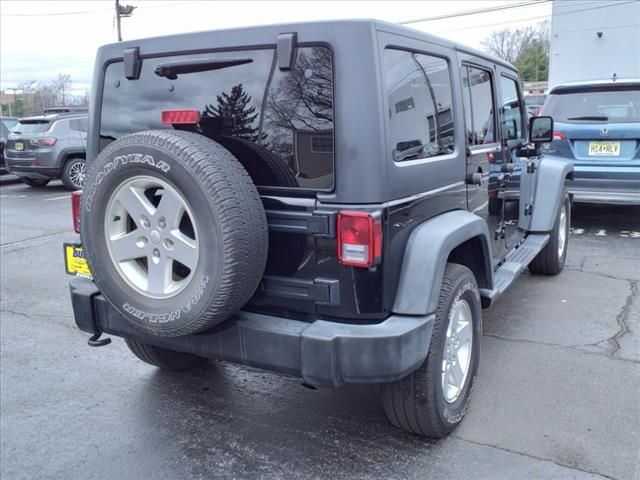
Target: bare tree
pixel 509 43
pixel 61 85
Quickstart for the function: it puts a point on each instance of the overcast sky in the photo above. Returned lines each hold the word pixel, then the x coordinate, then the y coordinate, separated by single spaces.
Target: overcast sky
pixel 39 39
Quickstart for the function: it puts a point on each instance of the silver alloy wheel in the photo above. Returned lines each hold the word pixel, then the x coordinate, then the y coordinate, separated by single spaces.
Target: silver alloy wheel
pixel 151 236
pixel 562 231
pixel 78 173
pixel 456 358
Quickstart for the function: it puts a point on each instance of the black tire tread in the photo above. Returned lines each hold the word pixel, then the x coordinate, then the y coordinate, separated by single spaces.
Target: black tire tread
pixel 162 357
pixel 283 174
pixel 35 182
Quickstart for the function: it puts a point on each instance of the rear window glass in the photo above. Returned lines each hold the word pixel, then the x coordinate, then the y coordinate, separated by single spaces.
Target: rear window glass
pixel 601 104
pixel 8 124
pixel 279 124
pixel 31 127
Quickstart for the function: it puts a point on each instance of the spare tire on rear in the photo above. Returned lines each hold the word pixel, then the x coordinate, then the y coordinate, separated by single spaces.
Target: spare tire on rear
pixel 174 229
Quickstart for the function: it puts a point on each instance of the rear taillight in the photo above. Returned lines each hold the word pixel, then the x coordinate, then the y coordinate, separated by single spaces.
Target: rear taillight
pixel 559 136
pixel 75 209
pixel 180 117
pixel 359 238
pixel 44 142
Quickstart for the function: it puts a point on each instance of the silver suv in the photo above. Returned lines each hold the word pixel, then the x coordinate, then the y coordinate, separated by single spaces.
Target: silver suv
pixel 44 147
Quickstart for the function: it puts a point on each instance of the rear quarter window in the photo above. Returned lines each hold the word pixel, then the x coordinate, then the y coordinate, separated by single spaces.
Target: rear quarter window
pixel 418 90
pixel 279 124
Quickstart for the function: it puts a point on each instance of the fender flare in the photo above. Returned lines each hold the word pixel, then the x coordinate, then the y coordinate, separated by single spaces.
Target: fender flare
pixel 71 152
pixel 425 258
pixel 550 189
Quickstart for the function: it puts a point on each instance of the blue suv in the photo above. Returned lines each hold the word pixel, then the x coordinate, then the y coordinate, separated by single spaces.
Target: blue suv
pixel 597 126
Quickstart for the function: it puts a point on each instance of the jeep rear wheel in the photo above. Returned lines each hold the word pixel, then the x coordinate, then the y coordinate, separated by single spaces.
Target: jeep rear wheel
pixel 162 357
pixel 433 400
pixel 175 231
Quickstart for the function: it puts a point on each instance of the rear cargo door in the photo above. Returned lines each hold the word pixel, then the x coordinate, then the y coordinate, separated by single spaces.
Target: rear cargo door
pixel 277 120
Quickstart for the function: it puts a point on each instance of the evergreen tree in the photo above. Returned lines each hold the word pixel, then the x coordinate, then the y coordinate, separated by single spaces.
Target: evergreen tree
pixel 236 109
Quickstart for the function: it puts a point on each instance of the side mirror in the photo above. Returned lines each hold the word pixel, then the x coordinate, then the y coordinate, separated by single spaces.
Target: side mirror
pixel 540 129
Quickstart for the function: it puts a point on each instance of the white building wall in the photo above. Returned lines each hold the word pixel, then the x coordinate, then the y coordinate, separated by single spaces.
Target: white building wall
pixel 578 53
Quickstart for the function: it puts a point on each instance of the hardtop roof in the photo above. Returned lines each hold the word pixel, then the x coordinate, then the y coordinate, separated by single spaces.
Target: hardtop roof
pixel 257 35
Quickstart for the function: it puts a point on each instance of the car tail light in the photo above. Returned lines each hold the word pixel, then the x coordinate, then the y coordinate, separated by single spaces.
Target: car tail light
pixel 180 117
pixel 44 142
pixel 75 209
pixel 491 157
pixel 559 136
pixel 359 238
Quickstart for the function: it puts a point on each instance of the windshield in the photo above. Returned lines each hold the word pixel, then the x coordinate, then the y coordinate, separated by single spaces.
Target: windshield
pixel 31 127
pixel 605 104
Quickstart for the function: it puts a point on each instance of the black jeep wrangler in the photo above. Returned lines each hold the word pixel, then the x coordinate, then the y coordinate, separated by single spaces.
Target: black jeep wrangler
pixel 312 199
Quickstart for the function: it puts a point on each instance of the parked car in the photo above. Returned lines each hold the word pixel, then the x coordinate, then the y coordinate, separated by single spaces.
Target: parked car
pixel 598 127
pixel 365 255
pixel 534 103
pixel 6 124
pixel 45 147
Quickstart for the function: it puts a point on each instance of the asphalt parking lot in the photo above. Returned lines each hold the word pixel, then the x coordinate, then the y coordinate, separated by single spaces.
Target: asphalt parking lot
pixel 558 393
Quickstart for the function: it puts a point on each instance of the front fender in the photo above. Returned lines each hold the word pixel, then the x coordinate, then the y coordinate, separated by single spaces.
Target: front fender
pixel 426 255
pixel 550 189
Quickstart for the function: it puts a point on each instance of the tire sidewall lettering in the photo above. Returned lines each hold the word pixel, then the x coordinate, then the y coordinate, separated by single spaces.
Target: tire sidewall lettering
pixel 120 161
pixel 173 315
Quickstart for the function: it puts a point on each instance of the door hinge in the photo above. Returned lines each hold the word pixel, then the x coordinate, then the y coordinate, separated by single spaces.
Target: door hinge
pixel 531 167
pixel 528 209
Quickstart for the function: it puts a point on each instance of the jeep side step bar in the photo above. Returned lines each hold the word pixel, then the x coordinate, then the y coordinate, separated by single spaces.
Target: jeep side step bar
pixel 513 266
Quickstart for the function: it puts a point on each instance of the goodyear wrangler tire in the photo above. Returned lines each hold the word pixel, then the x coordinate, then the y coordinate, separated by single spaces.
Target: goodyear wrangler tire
pixel 174 230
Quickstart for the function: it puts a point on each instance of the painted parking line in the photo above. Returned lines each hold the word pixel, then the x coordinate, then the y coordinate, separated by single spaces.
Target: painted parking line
pixel 599 232
pixel 57 198
pixel 15 195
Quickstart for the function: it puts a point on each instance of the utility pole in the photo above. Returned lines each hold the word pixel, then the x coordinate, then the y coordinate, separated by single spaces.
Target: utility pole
pixel 14 99
pixel 122 11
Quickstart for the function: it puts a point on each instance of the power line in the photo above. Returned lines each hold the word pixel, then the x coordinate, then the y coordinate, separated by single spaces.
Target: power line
pixel 474 12
pixel 54 14
pixel 85 12
pixel 611 5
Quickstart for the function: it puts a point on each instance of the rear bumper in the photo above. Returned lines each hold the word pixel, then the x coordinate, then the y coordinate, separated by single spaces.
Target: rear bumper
pixel 47 166
pixel 22 169
pixel 323 353
pixel 605 190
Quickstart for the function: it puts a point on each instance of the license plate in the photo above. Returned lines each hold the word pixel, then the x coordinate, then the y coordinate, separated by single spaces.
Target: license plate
pixel 604 148
pixel 19 146
pixel 75 261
